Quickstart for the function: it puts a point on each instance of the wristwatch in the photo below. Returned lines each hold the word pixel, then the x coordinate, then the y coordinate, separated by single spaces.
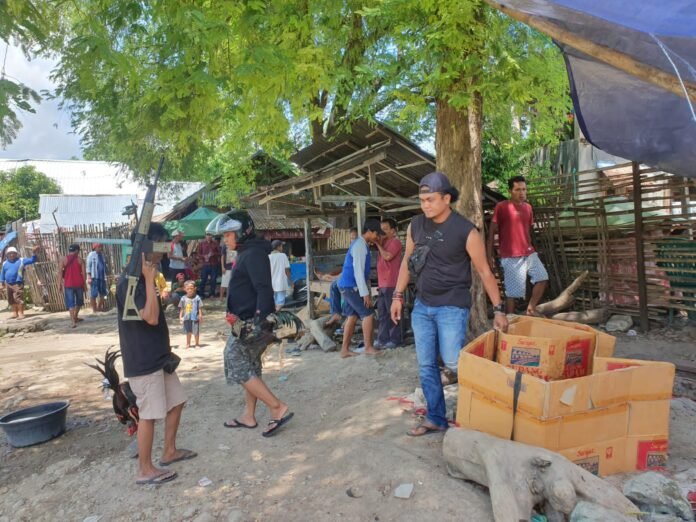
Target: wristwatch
pixel 499 309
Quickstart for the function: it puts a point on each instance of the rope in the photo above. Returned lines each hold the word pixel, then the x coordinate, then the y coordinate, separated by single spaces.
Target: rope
pixel 664 49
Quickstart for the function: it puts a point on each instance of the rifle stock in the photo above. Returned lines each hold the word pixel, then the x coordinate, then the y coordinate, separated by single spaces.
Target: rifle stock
pixel 141 244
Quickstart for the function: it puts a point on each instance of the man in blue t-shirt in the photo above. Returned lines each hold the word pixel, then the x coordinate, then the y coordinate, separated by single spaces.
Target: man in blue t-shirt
pixel 12 279
pixel 96 278
pixel 354 284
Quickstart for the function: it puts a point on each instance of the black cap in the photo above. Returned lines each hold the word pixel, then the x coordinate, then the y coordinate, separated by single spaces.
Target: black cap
pixel 74 248
pixel 373 225
pixel 276 243
pixel 434 182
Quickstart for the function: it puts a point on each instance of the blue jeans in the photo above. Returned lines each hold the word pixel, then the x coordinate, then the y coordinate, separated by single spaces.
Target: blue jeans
pixel 438 330
pixel 209 272
pixel 335 301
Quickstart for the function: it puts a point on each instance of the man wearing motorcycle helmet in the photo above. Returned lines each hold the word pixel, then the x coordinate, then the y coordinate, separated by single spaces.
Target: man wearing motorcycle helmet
pixel 249 301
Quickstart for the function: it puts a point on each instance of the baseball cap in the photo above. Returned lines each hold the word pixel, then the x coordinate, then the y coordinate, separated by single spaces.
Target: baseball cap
pixel 434 182
pixel 373 225
pixel 11 250
pixel 180 275
pixel 276 243
pixel 96 245
pixel 74 248
pixel 178 232
pixel 437 182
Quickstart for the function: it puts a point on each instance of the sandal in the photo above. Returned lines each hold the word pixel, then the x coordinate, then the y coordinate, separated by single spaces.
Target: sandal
pixel 424 429
pixel 275 424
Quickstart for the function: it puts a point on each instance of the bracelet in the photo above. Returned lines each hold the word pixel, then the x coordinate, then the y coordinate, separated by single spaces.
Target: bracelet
pixel 398 294
pixel 397 298
pixel 499 312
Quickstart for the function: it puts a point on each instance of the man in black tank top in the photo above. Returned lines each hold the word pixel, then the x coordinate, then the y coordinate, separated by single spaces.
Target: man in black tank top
pixel 445 246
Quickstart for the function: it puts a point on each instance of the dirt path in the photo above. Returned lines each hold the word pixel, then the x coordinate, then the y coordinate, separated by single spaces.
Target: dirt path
pixel 345 434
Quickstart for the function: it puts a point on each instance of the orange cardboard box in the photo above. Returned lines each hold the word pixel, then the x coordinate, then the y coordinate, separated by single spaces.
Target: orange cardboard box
pixel 604 344
pixel 601 458
pixel 648 417
pixel 546 350
pixel 477 412
pixel 647 452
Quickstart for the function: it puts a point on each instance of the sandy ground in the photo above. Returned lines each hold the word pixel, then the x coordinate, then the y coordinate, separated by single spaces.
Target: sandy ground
pixel 345 435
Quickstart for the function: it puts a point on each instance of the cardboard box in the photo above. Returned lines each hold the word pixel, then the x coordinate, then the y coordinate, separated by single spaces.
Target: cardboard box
pixel 648 417
pixel 546 350
pixel 615 419
pixel 647 452
pixel 604 343
pixel 474 411
pixel 601 458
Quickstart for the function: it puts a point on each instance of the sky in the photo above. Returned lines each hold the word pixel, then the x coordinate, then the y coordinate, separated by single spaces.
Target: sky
pixel 46 134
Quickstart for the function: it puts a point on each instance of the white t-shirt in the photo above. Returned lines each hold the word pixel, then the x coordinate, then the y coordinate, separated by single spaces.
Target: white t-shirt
pixel 279 262
pixel 178 252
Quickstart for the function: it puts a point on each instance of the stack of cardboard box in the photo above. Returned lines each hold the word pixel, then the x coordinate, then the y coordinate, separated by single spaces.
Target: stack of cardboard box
pixel 612 418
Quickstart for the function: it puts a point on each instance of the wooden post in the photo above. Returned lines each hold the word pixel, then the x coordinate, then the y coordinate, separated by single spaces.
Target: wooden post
pixel 372 177
pixel 360 215
pixel 640 251
pixel 309 263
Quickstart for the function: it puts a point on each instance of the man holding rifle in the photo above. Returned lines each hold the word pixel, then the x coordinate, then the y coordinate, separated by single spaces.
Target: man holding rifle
pixel 147 359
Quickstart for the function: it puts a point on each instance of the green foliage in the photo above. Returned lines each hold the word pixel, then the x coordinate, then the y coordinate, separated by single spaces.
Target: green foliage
pixel 19 196
pixel 209 83
pixel 26 23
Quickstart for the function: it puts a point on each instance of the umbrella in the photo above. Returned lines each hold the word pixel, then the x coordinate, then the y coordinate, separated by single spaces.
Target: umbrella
pixel 632 71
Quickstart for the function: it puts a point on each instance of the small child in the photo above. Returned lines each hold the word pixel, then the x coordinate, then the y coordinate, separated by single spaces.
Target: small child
pixel 191 313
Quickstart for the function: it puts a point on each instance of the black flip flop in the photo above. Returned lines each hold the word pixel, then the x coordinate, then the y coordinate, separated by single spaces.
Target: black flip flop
pixel 428 430
pixel 185 455
pixel 158 479
pixel 275 424
pixel 239 425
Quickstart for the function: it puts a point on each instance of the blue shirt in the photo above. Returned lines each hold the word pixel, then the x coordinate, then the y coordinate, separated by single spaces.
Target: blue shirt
pixel 357 262
pixel 96 266
pixel 13 271
pixel 190 306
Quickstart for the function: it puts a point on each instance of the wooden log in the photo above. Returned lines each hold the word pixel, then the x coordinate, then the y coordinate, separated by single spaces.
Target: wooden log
pixel 316 328
pixel 593 316
pixel 565 299
pixel 520 477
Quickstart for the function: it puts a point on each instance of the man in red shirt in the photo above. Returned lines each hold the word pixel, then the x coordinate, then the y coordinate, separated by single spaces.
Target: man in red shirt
pixel 209 255
pixel 388 263
pixel 513 221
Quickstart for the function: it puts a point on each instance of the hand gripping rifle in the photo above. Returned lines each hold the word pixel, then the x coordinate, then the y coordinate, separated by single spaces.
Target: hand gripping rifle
pixel 142 245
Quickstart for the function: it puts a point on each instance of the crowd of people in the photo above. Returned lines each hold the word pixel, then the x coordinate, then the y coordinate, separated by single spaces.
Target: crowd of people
pixel 441 250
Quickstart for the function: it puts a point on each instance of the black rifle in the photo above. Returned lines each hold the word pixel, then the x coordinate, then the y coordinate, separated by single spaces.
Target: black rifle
pixel 142 245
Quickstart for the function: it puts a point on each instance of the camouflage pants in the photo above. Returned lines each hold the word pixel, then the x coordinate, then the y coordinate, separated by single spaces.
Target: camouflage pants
pixel 241 363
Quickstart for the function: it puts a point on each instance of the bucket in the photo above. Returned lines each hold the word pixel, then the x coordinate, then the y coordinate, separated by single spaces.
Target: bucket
pixel 36 424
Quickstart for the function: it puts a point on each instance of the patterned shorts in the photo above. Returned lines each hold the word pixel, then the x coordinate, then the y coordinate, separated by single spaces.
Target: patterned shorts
pixel 241 363
pixel 515 271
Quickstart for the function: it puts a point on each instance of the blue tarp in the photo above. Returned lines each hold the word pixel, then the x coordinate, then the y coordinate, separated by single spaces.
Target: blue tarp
pixel 617 112
pixel 9 237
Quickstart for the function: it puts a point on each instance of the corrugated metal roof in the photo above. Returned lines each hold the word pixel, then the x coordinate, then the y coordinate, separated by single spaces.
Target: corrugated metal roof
pixel 77 177
pixel 264 221
pixel 341 165
pixel 71 210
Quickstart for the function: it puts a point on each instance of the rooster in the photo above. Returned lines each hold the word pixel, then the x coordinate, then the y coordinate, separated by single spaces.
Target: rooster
pixel 124 401
pixel 275 327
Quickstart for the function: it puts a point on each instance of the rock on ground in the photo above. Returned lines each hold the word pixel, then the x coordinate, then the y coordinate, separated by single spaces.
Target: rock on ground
pixel 591 512
pixel 619 323
pixel 656 494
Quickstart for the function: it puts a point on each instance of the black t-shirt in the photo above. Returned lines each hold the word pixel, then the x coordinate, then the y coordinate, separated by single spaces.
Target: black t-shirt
pixel 250 287
pixel 144 348
pixel 446 277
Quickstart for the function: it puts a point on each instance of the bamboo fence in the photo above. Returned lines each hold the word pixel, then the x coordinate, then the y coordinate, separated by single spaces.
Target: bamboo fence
pixel 587 221
pixel 44 279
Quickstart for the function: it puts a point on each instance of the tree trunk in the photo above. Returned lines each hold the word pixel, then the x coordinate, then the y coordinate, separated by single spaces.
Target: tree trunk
pixel 458 153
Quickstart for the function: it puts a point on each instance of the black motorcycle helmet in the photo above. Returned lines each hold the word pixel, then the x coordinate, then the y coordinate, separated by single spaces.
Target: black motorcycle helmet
pixel 237 221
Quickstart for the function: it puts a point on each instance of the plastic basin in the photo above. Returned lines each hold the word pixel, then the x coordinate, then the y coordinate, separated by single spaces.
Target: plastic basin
pixel 36 424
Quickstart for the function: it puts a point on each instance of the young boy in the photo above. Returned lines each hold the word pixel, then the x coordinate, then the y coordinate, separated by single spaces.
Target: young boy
pixel 191 313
